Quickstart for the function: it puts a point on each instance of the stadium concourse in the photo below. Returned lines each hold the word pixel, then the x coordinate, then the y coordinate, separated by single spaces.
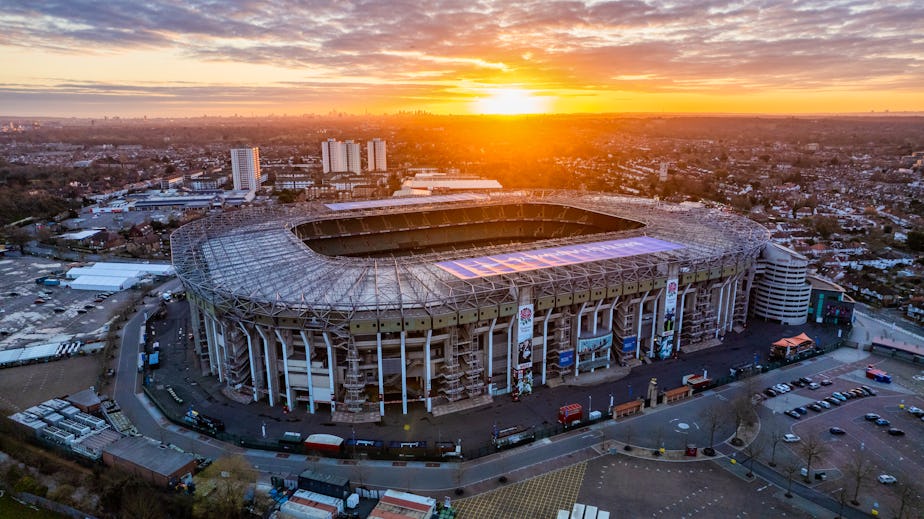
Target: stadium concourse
pixel 357 310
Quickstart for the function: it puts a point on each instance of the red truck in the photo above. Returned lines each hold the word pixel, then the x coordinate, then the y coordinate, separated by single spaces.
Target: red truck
pixel 570 415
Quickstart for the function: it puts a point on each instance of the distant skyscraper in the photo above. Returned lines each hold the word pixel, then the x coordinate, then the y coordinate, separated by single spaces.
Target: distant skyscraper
pixel 375 152
pixel 333 156
pixel 353 159
pixel 245 168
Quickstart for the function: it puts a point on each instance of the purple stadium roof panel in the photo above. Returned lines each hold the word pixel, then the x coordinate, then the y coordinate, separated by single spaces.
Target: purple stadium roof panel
pixel 395 202
pixel 554 257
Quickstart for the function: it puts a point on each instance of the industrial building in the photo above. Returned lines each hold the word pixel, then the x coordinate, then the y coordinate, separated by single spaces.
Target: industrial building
pixel 369 307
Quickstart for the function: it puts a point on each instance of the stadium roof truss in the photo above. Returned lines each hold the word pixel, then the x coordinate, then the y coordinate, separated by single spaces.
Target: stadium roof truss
pixel 251 262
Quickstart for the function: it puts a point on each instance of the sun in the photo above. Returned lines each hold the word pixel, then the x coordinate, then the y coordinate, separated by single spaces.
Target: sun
pixel 510 101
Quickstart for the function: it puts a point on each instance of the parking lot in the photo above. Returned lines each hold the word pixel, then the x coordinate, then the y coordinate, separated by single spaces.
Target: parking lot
pixel 33 313
pixel 863 441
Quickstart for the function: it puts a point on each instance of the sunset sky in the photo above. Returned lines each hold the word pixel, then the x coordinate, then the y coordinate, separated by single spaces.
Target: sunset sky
pixel 256 57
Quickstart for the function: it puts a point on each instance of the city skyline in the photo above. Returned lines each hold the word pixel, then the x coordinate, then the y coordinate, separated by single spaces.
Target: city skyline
pixel 90 59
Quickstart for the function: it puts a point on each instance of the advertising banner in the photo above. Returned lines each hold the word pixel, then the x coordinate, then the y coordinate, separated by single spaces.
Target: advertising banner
pixel 629 344
pixel 666 346
pixel 595 343
pixel 525 337
pixel 566 358
pixel 670 306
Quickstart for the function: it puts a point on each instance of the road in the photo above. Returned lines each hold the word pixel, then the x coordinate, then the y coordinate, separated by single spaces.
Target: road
pixel 439 478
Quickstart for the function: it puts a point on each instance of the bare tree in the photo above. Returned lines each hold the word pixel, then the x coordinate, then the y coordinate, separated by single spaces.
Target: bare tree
pixel 741 410
pixel 812 448
pixel 714 415
pixel 858 470
pixel 776 436
pixel 908 500
pixel 790 469
pixel 841 501
pixel 753 450
pixel 231 476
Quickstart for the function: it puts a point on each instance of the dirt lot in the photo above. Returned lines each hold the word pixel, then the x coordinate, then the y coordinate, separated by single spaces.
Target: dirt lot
pixel 24 386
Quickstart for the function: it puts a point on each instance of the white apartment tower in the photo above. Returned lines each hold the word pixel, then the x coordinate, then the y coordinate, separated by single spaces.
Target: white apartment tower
pixel 375 153
pixel 353 159
pixel 245 168
pixel 333 156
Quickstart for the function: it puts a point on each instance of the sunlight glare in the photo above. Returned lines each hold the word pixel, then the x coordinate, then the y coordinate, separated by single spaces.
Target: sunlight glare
pixel 510 101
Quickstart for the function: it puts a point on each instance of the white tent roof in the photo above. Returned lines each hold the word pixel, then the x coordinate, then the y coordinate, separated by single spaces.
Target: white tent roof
pixel 103 282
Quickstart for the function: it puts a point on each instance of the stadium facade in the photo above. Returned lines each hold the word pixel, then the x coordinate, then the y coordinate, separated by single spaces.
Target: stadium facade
pixel 359 307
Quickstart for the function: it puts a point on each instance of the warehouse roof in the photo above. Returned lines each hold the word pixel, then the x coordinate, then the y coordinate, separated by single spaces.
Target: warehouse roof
pixel 150 454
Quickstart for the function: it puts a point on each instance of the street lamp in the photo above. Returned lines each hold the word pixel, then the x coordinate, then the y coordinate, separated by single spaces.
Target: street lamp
pixel 590 405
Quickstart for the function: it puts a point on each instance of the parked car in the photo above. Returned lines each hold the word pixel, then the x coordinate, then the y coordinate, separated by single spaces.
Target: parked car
pixel 826 382
pixel 798 383
pixel 814 407
pixel 869 390
pixel 872 417
pixel 883 422
pixel 839 396
pixel 807 380
pixel 793 414
pixel 833 401
pixel 824 403
pixel 814 385
pixel 837 431
pixel 770 392
pixel 886 479
pixel 916 411
pixel 896 432
pixel 800 410
pixel 790 438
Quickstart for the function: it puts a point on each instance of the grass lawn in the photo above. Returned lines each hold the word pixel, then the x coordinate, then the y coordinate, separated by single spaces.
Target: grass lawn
pixel 10 508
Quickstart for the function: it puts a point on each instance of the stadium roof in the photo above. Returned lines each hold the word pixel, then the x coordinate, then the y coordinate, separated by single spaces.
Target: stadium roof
pixel 554 257
pixel 253 261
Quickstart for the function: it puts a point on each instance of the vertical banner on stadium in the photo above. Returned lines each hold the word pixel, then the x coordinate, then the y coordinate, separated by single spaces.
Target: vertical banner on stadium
pixel 670 316
pixel 525 337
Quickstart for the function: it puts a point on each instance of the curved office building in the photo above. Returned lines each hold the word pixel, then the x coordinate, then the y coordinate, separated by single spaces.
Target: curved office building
pixel 781 291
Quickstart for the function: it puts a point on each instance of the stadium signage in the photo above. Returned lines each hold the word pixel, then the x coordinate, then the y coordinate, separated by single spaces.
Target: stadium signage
pixel 566 358
pixel 595 343
pixel 554 257
pixel 629 344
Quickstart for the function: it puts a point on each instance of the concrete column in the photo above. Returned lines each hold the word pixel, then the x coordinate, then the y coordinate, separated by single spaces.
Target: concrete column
pixel 730 320
pixel 210 343
pixel 545 342
pixel 308 364
pixel 509 347
pixel 403 373
pixel 330 371
pixel 378 347
pixel 491 353
pixel 654 324
pixel 576 337
pixel 217 349
pixel 271 381
pixel 680 307
pixel 427 371
pixel 718 318
pixel 290 403
pixel 253 369
pixel 638 325
pixel 609 319
pixel 593 328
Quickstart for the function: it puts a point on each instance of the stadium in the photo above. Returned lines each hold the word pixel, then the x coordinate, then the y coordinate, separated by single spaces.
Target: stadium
pixel 366 307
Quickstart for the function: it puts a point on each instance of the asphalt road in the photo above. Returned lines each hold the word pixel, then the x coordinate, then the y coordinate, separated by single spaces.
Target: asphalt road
pixel 436 478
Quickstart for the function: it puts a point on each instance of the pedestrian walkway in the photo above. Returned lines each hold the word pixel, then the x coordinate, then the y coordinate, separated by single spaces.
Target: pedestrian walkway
pixel 535 497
